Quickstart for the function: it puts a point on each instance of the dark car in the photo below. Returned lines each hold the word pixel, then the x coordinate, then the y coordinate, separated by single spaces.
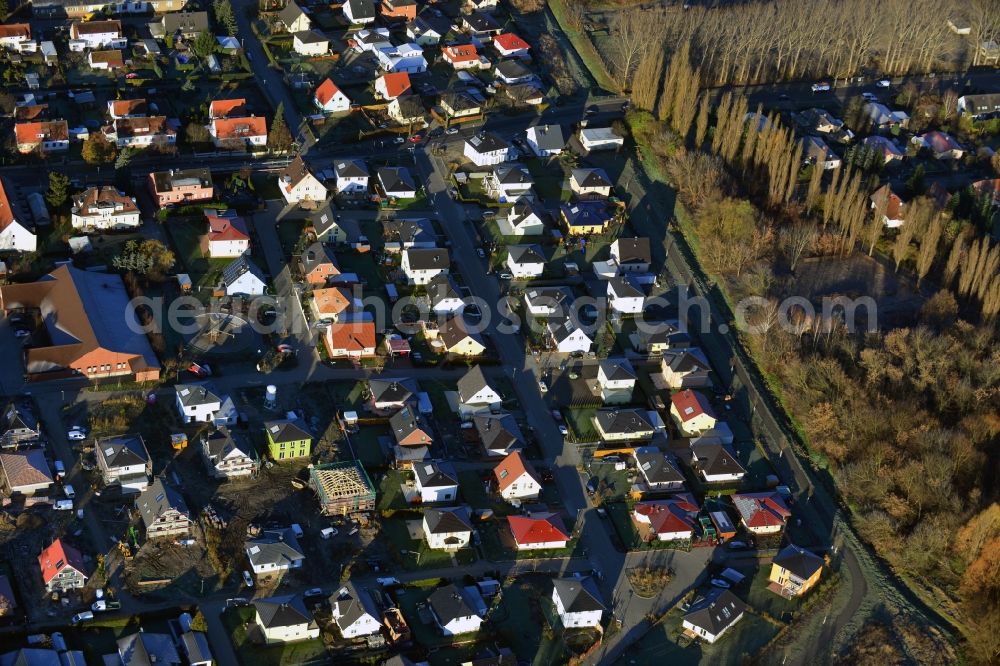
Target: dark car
pixel 592 486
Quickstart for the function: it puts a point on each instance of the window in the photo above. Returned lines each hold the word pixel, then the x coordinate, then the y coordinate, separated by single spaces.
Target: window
pixel 281 456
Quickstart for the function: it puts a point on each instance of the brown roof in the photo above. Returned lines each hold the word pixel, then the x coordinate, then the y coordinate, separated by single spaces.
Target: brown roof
pixel 112 57
pixel 125 127
pixel 295 172
pixel 7 213
pixel 129 107
pixel 30 112
pixel 25 468
pixel 89 200
pixel 50 130
pixel 22 30
pixel 453 331
pixel 96 27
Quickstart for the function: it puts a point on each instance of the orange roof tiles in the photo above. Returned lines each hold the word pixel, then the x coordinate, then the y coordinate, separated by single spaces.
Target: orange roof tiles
pixel 528 531
pixel 396 83
pixel 352 336
pixel 511 469
pixel 225 108
pixel 240 128
pixel 58 556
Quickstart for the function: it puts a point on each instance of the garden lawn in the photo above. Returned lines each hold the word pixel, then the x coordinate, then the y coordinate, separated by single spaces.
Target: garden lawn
pixel 580 421
pixel 740 643
pixel 250 654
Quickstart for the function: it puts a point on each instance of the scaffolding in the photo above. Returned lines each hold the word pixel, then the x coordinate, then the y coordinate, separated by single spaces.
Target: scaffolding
pixel 342 488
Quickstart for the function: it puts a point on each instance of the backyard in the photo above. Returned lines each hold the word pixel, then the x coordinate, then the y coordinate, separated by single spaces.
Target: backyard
pixel 253 654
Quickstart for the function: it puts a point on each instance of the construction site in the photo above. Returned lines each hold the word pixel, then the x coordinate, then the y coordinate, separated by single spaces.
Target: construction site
pixel 342 488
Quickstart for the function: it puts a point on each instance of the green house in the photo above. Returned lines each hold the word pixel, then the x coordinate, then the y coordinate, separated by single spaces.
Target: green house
pixel 287 439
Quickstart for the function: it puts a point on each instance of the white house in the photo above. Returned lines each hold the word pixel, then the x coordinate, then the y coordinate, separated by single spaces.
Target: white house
pixel 396 182
pixel 657 469
pixel 370 40
pixel 310 43
pixel 666 520
pixel 227 236
pixel 522 220
pixel 447 528
pixel 243 277
pixel 351 176
pixel 578 602
pixel 124 460
pixel 104 208
pixel 285 619
pixel 616 378
pixel 711 616
pixel 444 296
pixel 227 456
pixel 509 45
pixel 475 394
pixel 198 403
pixel 600 138
pixel 407 58
pixel 508 182
pixel 815 151
pixel 525 261
pixel 297 183
pixel 98 34
pixel 590 183
pixel 631 255
pixel 545 140
pixel 453 610
pixel 516 479
pixel 423 265
pixel 566 337
pixel 487 149
pixel 392 85
pixel 354 612
pixel 427 30
pixel 273 551
pixel 14 35
pixel 293 18
pixel 331 99
pixel 359 11
pixel 625 296
pixel 436 482
pixel 716 463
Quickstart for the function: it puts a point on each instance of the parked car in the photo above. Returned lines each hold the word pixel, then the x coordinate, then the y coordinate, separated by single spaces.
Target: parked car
pixel 883 83
pixel 505 276
pixel 105 605
pixel 592 485
pixel 399 140
pixel 76 435
pixel 451 130
pixel 313 592
pixel 60 469
pixel 718 582
pixel 543 387
pixel 869 97
pixel 563 430
pixel 80 617
pixel 821 86
pixel 247 578
pixel 416 138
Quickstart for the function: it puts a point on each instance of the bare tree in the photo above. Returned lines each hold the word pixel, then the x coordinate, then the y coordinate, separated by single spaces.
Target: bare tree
pixel 795 240
pixel 630 31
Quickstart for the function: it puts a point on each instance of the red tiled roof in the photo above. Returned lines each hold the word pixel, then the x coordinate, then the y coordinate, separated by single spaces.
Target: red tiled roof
pixel 762 509
pixel 22 30
pixel 240 128
pixel 464 53
pixel 514 465
pixel 668 515
pixel 226 228
pixel 49 560
pixel 352 336
pixel 128 107
pixel 396 83
pixel 508 41
pixel 6 212
pixel 690 404
pixel 326 91
pixel 224 108
pixel 50 130
pixel 537 530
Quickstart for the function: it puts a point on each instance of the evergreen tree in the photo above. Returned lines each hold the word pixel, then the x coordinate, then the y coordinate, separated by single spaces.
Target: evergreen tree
pixel 279 139
pixel 701 124
pixel 225 17
pixel 58 190
pixel 204 44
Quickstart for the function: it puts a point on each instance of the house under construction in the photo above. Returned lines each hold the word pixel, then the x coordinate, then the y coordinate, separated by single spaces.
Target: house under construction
pixel 342 488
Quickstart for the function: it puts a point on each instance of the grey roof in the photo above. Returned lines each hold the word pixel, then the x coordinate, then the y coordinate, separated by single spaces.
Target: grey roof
pixel 460 101
pixel 238 267
pixel 435 474
pixel 392 390
pixel 284 611
pixel 548 297
pixel 166 181
pixel 592 177
pixel 144 648
pixel 317 254
pixel 585 213
pixel 520 211
pixel 325 219
pixel 624 287
pixel 685 361
pixel 287 430
pixel 399 660
pixel 442 287
pixel 157 499
pixel 361 9
pixel 480 22
pixel 290 14
pixel 561 328
pixel 311 36
pixel 578 595
pixel 714 459
pixel 428 258
pixel 221 442
pixel 187 23
pixel 549 137
pixel 499 432
pixel 618 369
pixel 406 421
pixel 123 451
pixel 471 383
pixel 449 603
pixel 512 69
pixel 410 106
pixel 195 646
pixel 410 230
pixel 633 250
pixel 353 604
pixel 487 142
pixel 448 520
pixel 42 657
pixel 799 561
pixel 719 609
pixel 984 103
pixel 196 394
pixel 394 179
pixel 656 466
pixel 278 547
pixel 512 174
pixel 526 254
pixel 350 169
pixel 667 332
pixel 623 421
pixel 16 417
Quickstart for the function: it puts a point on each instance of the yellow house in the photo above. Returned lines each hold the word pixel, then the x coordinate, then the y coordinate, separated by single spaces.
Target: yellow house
pixel 794 571
pixel 584 218
pixel 287 439
pixel 458 340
